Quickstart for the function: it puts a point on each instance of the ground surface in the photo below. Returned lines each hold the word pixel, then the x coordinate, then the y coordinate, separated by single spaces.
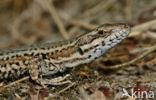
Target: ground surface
pixel 29 22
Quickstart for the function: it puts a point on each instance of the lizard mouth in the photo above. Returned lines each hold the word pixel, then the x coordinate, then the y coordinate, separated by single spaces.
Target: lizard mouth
pixel 116 37
pixel 120 34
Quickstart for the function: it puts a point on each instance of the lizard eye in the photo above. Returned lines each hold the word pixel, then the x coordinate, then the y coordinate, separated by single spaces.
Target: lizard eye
pixel 80 51
pixel 100 32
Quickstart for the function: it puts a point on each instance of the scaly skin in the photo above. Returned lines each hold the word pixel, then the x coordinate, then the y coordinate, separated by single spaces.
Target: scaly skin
pixel 51 58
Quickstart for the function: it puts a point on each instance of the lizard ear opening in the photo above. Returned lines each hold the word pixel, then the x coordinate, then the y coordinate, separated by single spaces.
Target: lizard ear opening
pixel 80 51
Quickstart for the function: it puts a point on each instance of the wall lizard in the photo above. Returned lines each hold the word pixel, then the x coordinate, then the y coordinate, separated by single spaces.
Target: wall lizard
pixel 51 58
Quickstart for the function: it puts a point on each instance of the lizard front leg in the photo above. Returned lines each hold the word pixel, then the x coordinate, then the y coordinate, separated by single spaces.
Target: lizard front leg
pixel 34 71
pixel 40 67
pixel 48 68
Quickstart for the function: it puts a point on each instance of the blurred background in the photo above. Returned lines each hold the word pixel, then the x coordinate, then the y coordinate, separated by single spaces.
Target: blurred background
pixel 27 22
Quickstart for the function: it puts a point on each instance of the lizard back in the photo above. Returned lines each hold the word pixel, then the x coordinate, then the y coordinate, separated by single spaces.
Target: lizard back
pixel 51 58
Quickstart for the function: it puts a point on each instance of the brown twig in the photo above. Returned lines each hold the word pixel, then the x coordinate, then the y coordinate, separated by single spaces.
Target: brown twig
pixel 153 48
pixel 82 24
pixel 51 9
pixel 97 8
pixel 128 9
pixel 136 30
pixel 61 91
pixel 13 83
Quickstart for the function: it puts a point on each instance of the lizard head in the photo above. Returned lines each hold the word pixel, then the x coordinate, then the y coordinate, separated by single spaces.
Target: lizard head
pixel 112 33
pixel 90 46
pixel 101 39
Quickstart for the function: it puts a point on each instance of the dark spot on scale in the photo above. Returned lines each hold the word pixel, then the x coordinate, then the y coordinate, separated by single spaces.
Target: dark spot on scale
pixel 96 45
pixel 35 48
pixel 48 53
pixel 26 63
pixel 20 69
pixel 37 54
pixel 111 40
pixel 109 44
pixel 26 54
pixel 85 50
pixel 15 70
pixel 101 51
pixel 116 37
pixel 11 51
pixel 32 54
pixel 43 56
pixel 52 53
pixel 48 48
pixel 42 48
pixel 95 50
pixel 17 63
pixel 95 58
pixel 3 59
pixel 9 74
pixel 80 51
pixel 9 64
pixel 13 56
pixel 103 43
pixel 89 56
pixel 56 51
pixel 4 73
pixel 7 58
pixel 4 65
